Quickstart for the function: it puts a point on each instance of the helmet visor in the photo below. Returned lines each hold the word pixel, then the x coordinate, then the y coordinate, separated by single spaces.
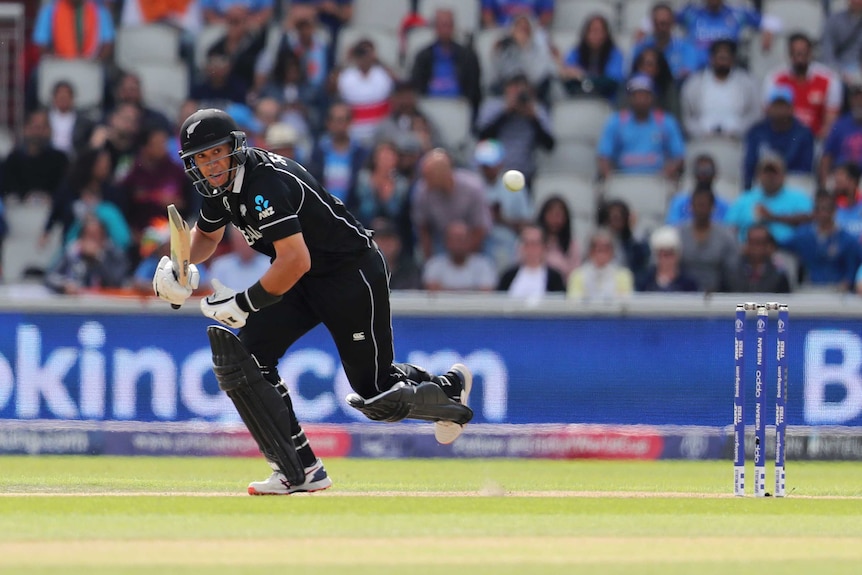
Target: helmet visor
pixel 219 174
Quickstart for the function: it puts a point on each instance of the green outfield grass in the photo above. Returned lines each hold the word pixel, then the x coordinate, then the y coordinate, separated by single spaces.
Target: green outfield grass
pixel 106 515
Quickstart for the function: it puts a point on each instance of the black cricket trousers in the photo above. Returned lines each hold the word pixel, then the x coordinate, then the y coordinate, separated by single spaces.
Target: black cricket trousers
pixel 352 302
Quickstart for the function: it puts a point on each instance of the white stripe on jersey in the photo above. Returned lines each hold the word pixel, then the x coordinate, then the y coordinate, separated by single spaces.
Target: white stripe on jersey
pixel 206 219
pixel 266 225
pixel 310 189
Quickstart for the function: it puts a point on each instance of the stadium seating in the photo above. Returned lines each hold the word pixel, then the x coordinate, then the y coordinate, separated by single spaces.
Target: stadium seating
pixel 564 40
pixel 26 221
pixel 632 14
pixel 452 118
pixel 727 154
pixel 483 43
pixel 761 63
pixel 802 182
pixel 646 195
pixel 569 156
pixel 580 118
pixel 379 14
pixel 571 14
pixel 204 41
pixel 85 76
pixel 153 44
pixel 797 15
pixel 417 39
pixel 164 86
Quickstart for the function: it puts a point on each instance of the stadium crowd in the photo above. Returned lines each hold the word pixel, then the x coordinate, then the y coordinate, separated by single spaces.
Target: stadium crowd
pixel 667 145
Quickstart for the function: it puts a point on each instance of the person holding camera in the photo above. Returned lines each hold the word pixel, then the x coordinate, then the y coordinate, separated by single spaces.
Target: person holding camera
pixel 519 122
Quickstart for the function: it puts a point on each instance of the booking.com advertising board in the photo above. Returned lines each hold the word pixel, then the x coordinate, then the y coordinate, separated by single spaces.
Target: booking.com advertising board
pixel 602 370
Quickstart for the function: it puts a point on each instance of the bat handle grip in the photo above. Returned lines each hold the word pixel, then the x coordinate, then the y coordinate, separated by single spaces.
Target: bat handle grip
pixel 175 306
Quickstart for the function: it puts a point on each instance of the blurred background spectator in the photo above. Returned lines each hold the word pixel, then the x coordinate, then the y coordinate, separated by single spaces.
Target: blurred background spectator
pixel 680 53
pixel 757 272
pixel 641 139
pixel 502 12
pixel 525 50
pixel 841 40
pixel 779 133
pixel 705 172
pixel 445 194
pixel 519 122
pixel 666 273
pixel 531 278
pixel 829 255
pixel 629 250
pixel 445 68
pixel 844 142
pixel 600 278
pixel 595 65
pixel 91 261
pixel 721 99
pixel 650 62
pixel 365 84
pixel 337 157
pixel 34 168
pixel 817 90
pixel 772 202
pixel 459 267
pixel 561 247
pixel 709 249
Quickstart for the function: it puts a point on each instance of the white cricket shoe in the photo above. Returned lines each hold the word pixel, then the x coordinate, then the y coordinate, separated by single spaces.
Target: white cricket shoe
pixel 316 479
pixel 448 431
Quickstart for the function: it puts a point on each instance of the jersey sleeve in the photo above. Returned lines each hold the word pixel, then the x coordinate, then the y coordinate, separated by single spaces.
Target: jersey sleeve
pixel 211 218
pixel 272 203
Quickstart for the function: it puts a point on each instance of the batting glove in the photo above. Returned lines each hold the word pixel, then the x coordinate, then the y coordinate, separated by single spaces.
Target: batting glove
pixel 222 306
pixel 167 287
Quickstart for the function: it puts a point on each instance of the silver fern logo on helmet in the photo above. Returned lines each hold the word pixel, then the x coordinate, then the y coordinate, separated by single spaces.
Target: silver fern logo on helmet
pixel 191 129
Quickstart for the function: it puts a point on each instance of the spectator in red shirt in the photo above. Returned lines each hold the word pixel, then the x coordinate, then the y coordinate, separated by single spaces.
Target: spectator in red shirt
pixel 817 91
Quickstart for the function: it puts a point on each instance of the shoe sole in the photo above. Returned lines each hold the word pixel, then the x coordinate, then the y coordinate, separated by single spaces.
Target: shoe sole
pixel 253 491
pixel 445 432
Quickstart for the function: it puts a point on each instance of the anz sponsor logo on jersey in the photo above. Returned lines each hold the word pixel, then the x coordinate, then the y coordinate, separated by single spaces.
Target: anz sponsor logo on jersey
pixel 264 210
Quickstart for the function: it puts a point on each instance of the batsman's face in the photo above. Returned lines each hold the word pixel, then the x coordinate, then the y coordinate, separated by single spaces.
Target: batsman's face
pixel 214 164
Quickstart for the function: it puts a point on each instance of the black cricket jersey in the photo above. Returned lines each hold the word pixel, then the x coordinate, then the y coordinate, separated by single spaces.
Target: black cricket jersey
pixel 274 197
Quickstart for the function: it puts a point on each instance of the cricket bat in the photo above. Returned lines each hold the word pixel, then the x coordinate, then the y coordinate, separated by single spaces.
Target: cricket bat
pixel 180 246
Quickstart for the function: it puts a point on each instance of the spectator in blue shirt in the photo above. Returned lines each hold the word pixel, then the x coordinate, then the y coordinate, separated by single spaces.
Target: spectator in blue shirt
pixel 641 139
pixel 716 20
pixel 780 133
pixel 848 197
pixel 260 12
pixel 772 203
pixel 445 67
pixel 496 13
pixel 336 159
pixel 844 142
pixel 679 210
pixel 828 254
pixel 595 65
pixel 681 54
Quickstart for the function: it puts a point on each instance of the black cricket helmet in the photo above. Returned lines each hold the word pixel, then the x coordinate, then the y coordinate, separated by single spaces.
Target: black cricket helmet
pixel 207 129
